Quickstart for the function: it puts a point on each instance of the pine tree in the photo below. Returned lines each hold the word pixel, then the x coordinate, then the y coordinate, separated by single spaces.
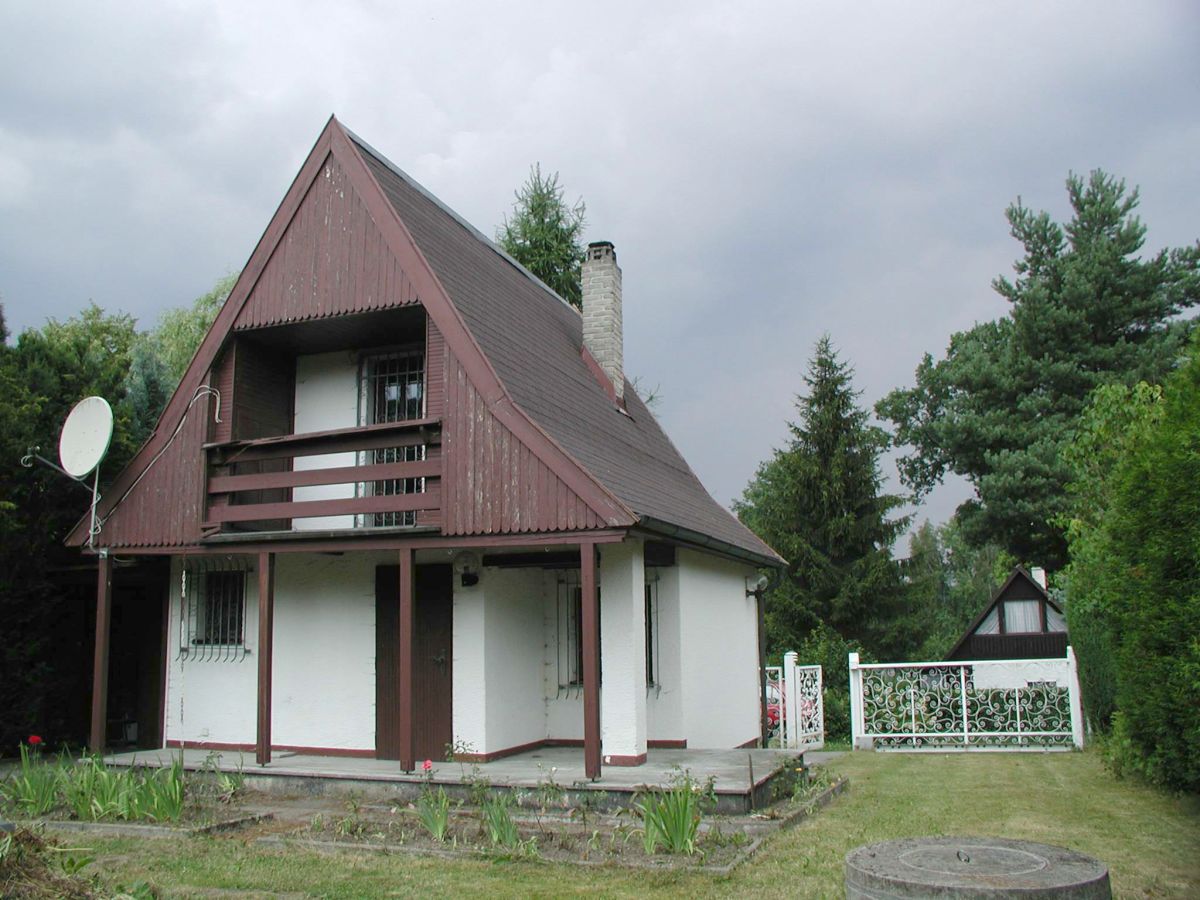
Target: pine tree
pixel 545 234
pixel 1086 310
pixel 818 502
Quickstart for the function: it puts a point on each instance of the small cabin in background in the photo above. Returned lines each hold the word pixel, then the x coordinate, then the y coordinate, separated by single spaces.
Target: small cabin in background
pixel 1019 622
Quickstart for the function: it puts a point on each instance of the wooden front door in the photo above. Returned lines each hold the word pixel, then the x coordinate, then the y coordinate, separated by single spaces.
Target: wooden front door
pixel 433 655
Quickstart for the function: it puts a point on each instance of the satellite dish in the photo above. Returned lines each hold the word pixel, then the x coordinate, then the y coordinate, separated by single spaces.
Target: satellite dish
pixel 85 436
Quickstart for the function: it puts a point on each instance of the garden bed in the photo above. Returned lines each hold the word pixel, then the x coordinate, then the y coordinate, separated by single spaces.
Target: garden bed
pixel 665 829
pixel 85 795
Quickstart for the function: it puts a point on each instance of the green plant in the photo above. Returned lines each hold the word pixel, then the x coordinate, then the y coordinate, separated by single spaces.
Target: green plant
pixel 550 792
pixel 500 827
pixel 33 790
pixel 479 787
pixel 671 817
pixel 433 811
pixel 350 826
pixel 590 803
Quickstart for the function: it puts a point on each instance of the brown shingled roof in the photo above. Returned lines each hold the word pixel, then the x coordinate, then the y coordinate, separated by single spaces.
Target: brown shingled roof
pixel 533 340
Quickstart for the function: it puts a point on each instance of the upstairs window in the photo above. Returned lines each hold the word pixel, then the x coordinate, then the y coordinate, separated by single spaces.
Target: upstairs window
pixel 392 389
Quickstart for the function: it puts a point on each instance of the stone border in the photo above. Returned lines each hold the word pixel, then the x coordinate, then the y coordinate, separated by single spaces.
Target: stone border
pixel 766 828
pixel 135 829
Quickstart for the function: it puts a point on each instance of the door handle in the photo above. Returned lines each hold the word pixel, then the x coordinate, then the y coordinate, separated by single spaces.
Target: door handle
pixel 440 660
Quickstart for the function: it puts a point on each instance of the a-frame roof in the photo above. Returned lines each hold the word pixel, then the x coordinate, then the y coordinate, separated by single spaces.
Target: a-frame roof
pixel 1019 577
pixel 521 346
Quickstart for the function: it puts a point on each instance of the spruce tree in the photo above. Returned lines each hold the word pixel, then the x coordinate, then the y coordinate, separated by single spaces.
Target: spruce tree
pixel 545 234
pixel 818 502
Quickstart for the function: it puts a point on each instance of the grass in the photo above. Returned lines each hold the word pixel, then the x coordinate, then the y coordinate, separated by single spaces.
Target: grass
pixel 1150 840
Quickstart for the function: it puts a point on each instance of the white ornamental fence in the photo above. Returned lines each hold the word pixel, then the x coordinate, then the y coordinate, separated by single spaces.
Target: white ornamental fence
pixel 794 700
pixel 1018 704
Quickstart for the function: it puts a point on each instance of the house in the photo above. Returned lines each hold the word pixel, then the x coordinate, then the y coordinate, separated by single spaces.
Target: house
pixel 1021 621
pixel 392 486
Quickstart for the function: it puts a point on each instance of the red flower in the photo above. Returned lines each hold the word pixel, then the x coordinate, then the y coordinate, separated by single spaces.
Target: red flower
pixel 34 740
pixel 427 765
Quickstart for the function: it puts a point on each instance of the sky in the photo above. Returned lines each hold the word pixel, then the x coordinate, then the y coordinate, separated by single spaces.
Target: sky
pixel 768 172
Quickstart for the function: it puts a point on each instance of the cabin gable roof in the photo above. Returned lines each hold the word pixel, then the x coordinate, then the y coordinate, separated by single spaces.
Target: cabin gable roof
pixel 353 234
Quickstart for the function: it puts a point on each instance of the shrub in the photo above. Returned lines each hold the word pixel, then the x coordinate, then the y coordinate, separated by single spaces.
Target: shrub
pixel 1154 541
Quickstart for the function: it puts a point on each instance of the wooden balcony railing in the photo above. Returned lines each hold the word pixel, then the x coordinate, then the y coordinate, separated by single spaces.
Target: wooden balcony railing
pixel 251 482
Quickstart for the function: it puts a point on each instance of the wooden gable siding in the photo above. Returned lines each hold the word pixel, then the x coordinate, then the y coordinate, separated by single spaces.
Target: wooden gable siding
pixel 491 482
pixel 165 508
pixel 222 379
pixel 331 260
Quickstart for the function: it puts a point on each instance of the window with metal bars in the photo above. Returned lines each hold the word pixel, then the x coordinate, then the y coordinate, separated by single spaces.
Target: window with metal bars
pixel 569 608
pixel 652 654
pixel 214 611
pixel 392 389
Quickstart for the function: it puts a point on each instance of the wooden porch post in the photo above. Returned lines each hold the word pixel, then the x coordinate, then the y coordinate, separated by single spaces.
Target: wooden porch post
pixel 100 660
pixel 407 623
pixel 266 635
pixel 591 659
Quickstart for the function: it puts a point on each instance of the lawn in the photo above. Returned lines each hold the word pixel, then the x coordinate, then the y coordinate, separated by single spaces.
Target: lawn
pixel 1151 841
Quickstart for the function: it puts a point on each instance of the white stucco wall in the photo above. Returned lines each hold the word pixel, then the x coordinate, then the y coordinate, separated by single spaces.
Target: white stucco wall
pixel 323 691
pixel 719 637
pixel 469 688
pixel 326 398
pixel 514 652
pixel 498 657
pixel 212 700
pixel 324 666
pixel 664 700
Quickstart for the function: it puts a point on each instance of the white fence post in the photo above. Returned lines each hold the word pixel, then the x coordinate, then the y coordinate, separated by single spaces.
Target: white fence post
pixel 790 707
pixel 1076 698
pixel 858 740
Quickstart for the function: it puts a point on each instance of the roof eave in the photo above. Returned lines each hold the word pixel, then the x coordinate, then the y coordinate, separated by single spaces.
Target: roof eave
pixel 680 534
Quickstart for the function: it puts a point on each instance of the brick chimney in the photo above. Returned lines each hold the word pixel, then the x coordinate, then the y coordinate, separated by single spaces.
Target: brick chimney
pixel 602 336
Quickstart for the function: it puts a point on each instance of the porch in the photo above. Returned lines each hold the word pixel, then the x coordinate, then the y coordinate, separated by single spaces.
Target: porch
pixel 741 778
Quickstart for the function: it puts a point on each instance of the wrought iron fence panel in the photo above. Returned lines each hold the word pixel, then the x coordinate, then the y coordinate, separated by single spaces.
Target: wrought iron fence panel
pixel 980 705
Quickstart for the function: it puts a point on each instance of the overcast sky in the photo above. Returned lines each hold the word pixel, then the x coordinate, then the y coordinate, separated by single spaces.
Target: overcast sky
pixel 768 172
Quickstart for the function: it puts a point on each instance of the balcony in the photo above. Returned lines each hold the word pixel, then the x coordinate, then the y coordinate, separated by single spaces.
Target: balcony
pixel 251 483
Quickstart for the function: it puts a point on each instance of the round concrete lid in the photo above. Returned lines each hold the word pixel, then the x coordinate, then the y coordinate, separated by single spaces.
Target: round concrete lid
pixel 972 867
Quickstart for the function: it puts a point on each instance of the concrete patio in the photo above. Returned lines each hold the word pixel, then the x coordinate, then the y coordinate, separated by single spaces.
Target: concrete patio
pixel 741 778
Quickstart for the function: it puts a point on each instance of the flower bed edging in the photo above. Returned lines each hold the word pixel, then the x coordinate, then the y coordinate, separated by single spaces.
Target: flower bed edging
pixel 146 830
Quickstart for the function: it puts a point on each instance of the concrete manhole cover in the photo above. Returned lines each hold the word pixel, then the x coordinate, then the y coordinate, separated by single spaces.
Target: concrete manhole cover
pixel 972 867
pixel 974 861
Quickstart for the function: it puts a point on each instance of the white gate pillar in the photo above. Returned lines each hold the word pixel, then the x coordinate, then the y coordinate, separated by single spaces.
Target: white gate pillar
pixel 790 707
pixel 858 725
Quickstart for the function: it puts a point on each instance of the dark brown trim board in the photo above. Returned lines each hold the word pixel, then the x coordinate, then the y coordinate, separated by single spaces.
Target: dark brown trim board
pixel 278 748
pixel 100 660
pixel 266 640
pixel 406 667
pixel 591 659
pixel 619 760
